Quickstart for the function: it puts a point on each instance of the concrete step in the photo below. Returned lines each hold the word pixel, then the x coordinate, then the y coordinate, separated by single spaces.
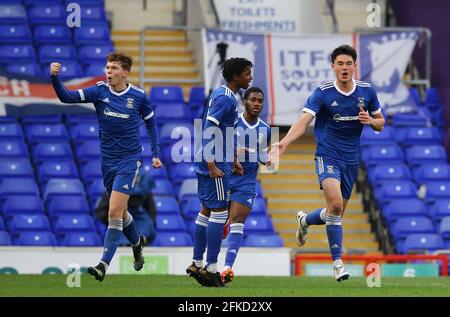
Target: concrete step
pixel 162 33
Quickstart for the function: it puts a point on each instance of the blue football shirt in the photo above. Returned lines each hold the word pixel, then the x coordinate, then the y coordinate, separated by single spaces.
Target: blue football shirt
pixel 337 129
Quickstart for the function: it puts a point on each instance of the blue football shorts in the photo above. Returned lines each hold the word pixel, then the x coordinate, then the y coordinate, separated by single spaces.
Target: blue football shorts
pixel 243 190
pixel 214 192
pixel 345 173
pixel 121 177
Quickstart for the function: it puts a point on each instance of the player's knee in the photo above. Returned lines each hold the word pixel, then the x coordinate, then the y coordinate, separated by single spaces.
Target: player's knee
pixel 115 211
pixel 335 208
pixel 238 219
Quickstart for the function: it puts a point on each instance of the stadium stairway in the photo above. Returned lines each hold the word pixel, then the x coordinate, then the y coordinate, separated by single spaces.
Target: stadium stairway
pixel 168 56
pixel 294 187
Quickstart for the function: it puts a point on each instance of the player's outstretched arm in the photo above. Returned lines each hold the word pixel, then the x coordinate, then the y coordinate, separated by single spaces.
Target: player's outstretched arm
pixel 295 132
pixel 66 96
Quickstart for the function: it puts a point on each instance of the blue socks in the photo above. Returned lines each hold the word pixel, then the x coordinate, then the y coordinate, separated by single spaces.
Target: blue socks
pixel 234 242
pixel 214 232
pixel 130 230
pixel 112 238
pixel 317 217
pixel 200 238
pixel 334 233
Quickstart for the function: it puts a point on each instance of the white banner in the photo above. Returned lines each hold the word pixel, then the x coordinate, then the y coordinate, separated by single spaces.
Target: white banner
pixel 266 16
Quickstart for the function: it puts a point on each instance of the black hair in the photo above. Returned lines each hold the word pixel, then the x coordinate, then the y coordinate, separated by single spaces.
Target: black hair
pixel 252 89
pixel 343 50
pixel 234 67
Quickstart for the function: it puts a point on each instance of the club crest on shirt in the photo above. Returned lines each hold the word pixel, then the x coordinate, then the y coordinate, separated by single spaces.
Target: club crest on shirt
pixel 361 102
pixel 129 104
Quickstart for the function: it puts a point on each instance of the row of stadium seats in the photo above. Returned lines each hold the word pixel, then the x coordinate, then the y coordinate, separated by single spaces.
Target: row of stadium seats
pixel 409 176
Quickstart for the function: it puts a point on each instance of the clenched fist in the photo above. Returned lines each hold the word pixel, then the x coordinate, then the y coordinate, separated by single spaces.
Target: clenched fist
pixel 54 68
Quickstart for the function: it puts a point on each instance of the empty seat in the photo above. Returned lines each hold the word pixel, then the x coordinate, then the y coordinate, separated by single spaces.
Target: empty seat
pixel 51 151
pixel 2 224
pixel 88 151
pixel 381 154
pixel 46 14
pixel 166 205
pixel 388 171
pixel 12 13
pixel 166 94
pixel 55 187
pixel 163 187
pixel 10 131
pixel 188 188
pixel 89 34
pixel 179 172
pixel 173 132
pixel 259 206
pixel 258 224
pixel 423 242
pixel 90 54
pixel 5 239
pixel 15 167
pixel 436 190
pixel 420 154
pixel 173 239
pixel 409 120
pixel 13 149
pixel 403 207
pixel 37 133
pixel 74 222
pixel 69 70
pixel 263 241
pixel 197 101
pixel 17 33
pixel 178 152
pixel 49 34
pixel 81 239
pixel 372 137
pixel 63 205
pixel 18 186
pixel 440 209
pixel 41 238
pixel 16 53
pixel 407 225
pixel 22 222
pixel 395 189
pixel 25 69
pixel 22 204
pixel 420 136
pixel 84 132
pixel 28 119
pixel 91 171
pixel 73 119
pixel 170 222
pixel 173 113
pixel 259 190
pixel 56 169
pixel 191 207
pixel 432 172
pixel 444 228
pixel 154 172
pixel 95 69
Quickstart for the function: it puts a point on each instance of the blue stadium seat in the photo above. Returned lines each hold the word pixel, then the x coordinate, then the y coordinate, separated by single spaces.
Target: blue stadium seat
pixel 22 222
pixel 55 187
pixel 395 189
pixel 178 152
pixel 30 3
pixel 17 33
pixel 188 189
pixel 178 130
pixel 17 53
pixel 444 228
pixel 85 2
pixel 154 172
pixel 64 205
pixel 91 171
pixel 38 238
pixel 8 119
pixel 15 167
pixel 440 209
pixel 258 224
pixel 37 133
pixel 191 207
pixel 73 119
pixel 89 34
pixel 173 113
pixel 419 136
pixel 91 12
pixel 437 190
pixel 421 242
pixel 263 241
pixel 84 132
pixel 2 224
pixel 56 169
pixel 170 222
pixel 46 14
pixel 81 239
pixel 87 151
pixel 403 207
pixel 409 120
pixel 179 172
pixel 259 190
pixel 377 154
pixel 173 239
pixel 166 94
pixel 64 224
pixel 51 151
pixel 29 119
pixel 27 69
pixel 370 137
pixel 5 239
pixel 388 171
pixel 12 13
pixel 52 34
pixel 94 191
pixel 94 54
pixel 166 205
pixel 18 186
pixel 163 187
pixel 432 95
pixel 408 225
pixel 22 204
pixel 431 172
pixel 69 70
pixel 10 131
pixel 13 148
pixel 57 52
pixel 259 206
pixel 95 70
pixel 197 101
pixel 420 154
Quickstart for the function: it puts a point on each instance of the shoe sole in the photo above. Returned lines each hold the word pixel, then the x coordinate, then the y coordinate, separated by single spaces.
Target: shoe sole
pixel 94 273
pixel 297 232
pixel 343 277
pixel 198 278
pixel 139 265
pixel 227 278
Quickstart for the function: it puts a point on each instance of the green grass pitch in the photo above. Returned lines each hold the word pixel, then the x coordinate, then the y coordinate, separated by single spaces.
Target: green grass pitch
pixel 242 286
